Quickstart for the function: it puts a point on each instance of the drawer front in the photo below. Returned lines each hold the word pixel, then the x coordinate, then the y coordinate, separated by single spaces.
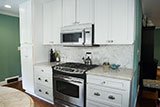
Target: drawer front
pixel 96 104
pixel 42 70
pixel 105 95
pixel 109 82
pixel 44 92
pixel 46 81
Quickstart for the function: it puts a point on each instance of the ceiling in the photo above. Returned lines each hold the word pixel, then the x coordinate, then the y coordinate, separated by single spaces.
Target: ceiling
pixel 12 11
pixel 150 8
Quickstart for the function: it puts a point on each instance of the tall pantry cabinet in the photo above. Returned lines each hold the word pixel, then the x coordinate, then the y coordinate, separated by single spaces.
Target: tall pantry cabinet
pixel 30 40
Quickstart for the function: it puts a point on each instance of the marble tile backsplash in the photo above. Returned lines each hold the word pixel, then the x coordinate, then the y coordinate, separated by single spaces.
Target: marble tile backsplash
pixel 118 54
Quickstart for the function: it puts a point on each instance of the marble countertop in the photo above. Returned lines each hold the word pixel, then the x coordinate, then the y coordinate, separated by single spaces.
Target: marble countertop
pixel 121 73
pixel 10 97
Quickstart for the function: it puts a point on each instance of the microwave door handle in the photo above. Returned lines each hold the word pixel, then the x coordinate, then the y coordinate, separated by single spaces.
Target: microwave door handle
pixel 84 36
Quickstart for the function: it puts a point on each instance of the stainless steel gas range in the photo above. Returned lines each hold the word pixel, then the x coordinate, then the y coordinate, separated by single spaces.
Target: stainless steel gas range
pixel 69 84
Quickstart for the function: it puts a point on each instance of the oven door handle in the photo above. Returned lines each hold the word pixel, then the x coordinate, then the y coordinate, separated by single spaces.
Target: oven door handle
pixel 76 82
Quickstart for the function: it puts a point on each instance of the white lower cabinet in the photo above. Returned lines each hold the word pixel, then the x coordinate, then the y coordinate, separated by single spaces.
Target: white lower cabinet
pixel 43 82
pixel 107 92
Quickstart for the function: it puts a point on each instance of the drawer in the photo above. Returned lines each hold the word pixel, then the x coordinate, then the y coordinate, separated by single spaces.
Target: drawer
pixel 105 95
pixel 46 81
pixel 43 70
pixel 44 92
pixel 90 103
pixel 109 82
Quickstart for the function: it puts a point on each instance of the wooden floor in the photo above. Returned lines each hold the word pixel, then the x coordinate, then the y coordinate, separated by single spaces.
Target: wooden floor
pixel 38 102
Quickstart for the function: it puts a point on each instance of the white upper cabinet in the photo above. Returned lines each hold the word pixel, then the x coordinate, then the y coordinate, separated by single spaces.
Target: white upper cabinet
pixel 25 23
pixel 85 11
pixel 77 11
pixel 52 22
pixel 114 21
pixel 68 12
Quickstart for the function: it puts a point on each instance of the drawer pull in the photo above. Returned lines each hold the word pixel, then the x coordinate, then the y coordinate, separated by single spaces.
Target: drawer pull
pixel 46 80
pixel 39 78
pixel 42 70
pixel 103 82
pixel 46 93
pixel 40 90
pixel 111 97
pixel 96 94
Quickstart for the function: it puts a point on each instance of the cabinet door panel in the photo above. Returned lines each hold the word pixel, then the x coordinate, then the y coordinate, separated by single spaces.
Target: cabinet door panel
pixel 101 21
pixel 27 67
pixel 68 12
pixel 118 14
pixel 114 21
pixel 85 9
pixel 25 23
pixel 52 22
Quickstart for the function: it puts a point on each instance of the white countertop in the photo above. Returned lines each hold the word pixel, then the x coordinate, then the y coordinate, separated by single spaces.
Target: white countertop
pixel 10 97
pixel 121 73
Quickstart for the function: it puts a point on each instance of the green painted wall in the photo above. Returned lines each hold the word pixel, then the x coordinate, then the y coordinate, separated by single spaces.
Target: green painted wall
pixel 157 45
pixel 137 47
pixel 9 41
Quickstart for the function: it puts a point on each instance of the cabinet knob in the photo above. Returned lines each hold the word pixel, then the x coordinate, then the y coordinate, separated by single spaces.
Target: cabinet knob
pixel 39 78
pixel 46 93
pixel 40 90
pixel 111 41
pixel 42 70
pixel 111 97
pixel 97 94
pixel 103 82
pixel 46 80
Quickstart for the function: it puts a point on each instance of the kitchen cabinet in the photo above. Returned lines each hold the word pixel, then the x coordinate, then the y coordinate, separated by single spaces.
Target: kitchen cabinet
pixel 31 49
pixel 25 23
pixel 114 21
pixel 52 22
pixel 107 92
pixel 26 46
pixel 77 12
pixel 43 82
pixel 27 67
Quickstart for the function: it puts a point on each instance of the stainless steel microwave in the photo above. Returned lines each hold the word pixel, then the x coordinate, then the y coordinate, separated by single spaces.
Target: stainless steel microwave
pixel 78 35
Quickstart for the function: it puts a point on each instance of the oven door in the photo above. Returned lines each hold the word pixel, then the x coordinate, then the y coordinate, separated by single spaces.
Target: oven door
pixel 75 37
pixel 69 89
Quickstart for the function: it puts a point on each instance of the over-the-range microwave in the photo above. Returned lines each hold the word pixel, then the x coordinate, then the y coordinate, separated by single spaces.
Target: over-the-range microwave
pixel 78 35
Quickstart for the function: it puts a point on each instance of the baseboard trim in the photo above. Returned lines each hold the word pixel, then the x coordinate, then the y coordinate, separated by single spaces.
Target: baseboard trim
pixel 3 83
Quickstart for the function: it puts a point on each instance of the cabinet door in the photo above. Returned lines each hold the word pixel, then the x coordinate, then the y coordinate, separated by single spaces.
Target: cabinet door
pixel 25 23
pixel 27 68
pixel 68 11
pixel 118 18
pixel 52 22
pixel 114 22
pixel 85 11
pixel 101 21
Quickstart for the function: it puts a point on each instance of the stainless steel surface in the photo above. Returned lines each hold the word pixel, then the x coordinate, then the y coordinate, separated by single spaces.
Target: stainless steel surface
pixel 73 68
pixel 60 103
pixel 78 82
pixel 79 35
